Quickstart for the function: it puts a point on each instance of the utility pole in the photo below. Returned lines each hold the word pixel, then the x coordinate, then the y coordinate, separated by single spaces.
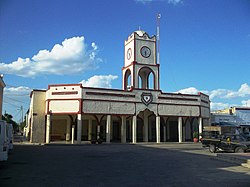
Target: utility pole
pixel 21 114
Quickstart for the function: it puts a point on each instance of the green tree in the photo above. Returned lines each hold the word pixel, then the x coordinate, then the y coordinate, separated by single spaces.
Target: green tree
pixel 9 119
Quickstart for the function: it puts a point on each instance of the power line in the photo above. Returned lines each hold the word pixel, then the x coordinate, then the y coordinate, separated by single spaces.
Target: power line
pixel 15 100
pixel 17 94
pixel 5 102
pixel 8 85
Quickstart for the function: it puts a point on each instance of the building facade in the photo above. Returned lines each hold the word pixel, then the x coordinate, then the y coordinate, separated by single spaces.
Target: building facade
pixel 238 115
pixel 139 112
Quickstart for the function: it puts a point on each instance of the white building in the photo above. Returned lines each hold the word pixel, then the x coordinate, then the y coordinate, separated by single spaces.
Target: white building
pixel 238 115
pixel 136 113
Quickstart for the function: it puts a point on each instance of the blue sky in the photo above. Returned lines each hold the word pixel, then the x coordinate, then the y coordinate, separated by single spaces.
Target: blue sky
pixel 205 46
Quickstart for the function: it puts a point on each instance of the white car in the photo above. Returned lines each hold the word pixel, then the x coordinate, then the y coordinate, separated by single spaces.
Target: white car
pixel 3 141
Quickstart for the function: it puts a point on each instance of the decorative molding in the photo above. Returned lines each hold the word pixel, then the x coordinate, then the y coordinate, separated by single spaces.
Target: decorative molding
pixel 146 98
pixel 110 94
pixel 64 93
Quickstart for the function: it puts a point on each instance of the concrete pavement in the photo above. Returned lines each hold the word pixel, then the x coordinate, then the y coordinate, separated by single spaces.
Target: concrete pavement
pixel 242 159
pixel 167 164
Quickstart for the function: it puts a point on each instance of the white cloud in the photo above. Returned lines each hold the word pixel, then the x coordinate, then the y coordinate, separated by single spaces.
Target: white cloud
pixel 218 106
pixel 143 1
pixel 246 103
pixel 72 56
pixel 15 98
pixel 175 2
pixel 100 81
pixel 243 91
pixel 190 90
pixel 223 94
pixel 16 90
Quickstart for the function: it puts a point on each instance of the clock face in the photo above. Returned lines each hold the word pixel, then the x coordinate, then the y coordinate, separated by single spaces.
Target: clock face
pixel 145 51
pixel 129 53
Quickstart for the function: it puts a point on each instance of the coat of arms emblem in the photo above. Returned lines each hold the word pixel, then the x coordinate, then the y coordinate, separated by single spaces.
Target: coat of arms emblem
pixel 146 98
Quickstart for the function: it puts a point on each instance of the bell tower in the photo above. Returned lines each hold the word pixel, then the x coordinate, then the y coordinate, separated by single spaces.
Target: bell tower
pixel 140 62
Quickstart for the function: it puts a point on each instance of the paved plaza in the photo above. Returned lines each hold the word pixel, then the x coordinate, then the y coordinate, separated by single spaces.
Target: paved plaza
pixel 169 164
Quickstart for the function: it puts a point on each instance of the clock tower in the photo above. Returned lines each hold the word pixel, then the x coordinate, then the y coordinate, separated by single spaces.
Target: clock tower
pixel 140 62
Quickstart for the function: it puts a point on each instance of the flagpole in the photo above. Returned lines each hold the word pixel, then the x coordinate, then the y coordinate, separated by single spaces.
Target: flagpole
pixel 158 37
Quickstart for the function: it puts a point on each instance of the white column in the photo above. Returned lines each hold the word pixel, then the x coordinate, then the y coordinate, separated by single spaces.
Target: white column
pixel 200 127
pixel 108 124
pixel 180 129
pixel 145 128
pixel 134 124
pixel 164 133
pixel 73 134
pixel 158 132
pixel 123 130
pixel 68 131
pixel 90 130
pixel 79 128
pixel 48 128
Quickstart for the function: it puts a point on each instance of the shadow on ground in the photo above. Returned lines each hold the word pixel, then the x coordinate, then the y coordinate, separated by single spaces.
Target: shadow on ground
pixel 118 165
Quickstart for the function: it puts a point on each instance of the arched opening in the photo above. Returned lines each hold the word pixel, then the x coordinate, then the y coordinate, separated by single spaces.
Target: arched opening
pixel 127 80
pixel 188 130
pixel 147 77
pixel 140 82
pixel 173 129
pixel 151 81
pixel 139 130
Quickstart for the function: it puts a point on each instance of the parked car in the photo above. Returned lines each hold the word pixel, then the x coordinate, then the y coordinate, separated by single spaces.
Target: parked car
pixel 3 141
pixel 246 136
pixel 226 142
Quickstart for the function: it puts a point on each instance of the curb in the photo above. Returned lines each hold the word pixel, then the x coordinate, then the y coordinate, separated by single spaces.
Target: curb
pixel 242 159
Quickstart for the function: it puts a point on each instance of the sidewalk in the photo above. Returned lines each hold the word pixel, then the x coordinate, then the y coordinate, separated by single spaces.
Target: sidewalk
pixel 242 159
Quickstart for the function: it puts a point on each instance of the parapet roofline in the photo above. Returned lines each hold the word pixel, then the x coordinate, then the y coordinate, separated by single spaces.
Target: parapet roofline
pixel 114 89
pixel 36 90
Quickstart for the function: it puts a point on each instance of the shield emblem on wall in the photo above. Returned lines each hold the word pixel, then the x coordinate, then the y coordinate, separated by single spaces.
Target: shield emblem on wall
pixel 146 98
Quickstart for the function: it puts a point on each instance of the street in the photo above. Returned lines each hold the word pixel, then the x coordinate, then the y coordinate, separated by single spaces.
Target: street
pixel 169 164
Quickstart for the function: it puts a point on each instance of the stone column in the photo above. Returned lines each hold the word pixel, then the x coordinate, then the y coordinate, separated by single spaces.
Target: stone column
pixel 200 127
pixel 73 134
pixel 134 129
pixel 123 130
pixel 108 124
pixel 145 127
pixel 79 128
pixel 48 128
pixel 90 130
pixel 180 129
pixel 68 131
pixel 158 133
